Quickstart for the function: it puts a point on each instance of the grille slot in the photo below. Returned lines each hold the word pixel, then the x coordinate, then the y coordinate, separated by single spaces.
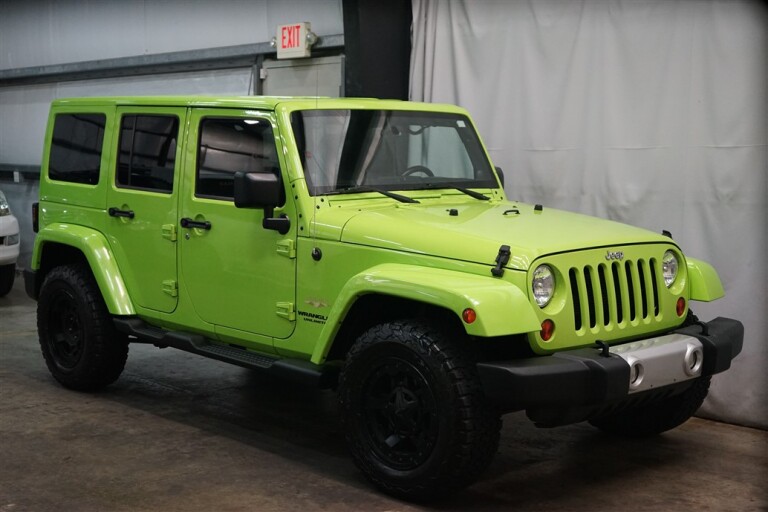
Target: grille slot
pixel 576 299
pixel 613 293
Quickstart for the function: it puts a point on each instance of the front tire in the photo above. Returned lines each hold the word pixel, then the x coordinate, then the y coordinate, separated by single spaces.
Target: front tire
pixel 79 343
pixel 413 411
pixel 656 417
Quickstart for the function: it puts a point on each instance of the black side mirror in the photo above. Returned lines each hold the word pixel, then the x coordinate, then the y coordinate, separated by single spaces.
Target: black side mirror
pixel 262 190
pixel 258 190
pixel 501 175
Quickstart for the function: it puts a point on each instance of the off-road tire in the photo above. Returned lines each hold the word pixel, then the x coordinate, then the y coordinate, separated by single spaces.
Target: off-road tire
pixel 7 275
pixel 79 343
pixel 656 417
pixel 413 412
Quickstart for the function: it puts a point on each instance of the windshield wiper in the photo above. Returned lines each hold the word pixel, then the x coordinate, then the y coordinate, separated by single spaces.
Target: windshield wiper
pixel 472 193
pixel 355 190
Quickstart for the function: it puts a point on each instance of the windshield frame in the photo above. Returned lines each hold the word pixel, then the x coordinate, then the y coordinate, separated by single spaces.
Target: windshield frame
pixel 484 174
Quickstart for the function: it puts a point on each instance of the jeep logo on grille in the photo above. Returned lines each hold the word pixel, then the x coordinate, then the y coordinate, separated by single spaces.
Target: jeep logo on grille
pixel 614 255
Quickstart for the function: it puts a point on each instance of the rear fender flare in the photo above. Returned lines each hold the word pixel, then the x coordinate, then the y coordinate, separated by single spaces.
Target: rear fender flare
pixel 102 262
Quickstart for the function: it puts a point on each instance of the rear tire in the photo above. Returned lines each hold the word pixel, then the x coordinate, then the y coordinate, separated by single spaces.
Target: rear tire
pixel 657 417
pixel 7 275
pixel 79 343
pixel 413 411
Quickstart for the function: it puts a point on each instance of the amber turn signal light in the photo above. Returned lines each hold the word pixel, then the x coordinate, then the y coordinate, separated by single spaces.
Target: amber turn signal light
pixel 547 329
pixel 680 306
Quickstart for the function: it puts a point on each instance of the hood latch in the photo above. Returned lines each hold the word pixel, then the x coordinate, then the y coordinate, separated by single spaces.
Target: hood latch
pixel 501 260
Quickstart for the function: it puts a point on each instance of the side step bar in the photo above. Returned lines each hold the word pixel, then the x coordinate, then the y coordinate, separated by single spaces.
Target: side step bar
pixel 296 370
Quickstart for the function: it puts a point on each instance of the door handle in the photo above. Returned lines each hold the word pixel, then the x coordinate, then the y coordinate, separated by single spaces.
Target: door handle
pixel 115 212
pixel 189 223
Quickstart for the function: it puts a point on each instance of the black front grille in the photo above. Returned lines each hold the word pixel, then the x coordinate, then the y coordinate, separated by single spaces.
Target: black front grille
pixel 614 293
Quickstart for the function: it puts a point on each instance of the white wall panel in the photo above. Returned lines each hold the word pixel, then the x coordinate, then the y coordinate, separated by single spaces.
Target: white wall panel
pixel 45 32
pixel 23 113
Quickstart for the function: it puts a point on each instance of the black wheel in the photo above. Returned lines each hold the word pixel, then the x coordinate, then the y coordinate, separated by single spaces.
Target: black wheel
pixel 80 345
pixel 416 169
pixel 656 417
pixel 7 275
pixel 413 411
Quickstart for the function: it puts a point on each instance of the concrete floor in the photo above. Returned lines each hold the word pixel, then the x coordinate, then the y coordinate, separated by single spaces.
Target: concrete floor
pixel 179 432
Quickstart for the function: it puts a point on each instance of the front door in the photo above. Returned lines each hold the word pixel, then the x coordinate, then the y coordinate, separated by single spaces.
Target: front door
pixel 142 203
pixel 239 276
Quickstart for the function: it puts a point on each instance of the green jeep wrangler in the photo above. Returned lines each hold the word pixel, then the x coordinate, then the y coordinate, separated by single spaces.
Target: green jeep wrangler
pixel 367 246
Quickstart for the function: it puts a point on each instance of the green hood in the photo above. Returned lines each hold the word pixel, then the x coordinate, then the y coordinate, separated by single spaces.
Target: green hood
pixel 474 232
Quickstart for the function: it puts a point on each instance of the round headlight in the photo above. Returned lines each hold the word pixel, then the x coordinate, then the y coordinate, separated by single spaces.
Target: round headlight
pixel 669 266
pixel 4 208
pixel 543 286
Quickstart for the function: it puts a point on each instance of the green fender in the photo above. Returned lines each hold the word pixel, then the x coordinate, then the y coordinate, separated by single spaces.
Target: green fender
pixel 96 250
pixel 705 283
pixel 501 307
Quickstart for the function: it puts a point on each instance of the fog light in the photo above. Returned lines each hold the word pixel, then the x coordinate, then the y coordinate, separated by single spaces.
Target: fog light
pixel 694 358
pixel 469 315
pixel 680 306
pixel 547 329
pixel 636 373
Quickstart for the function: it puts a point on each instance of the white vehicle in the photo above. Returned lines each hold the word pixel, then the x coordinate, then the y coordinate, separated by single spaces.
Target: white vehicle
pixel 9 246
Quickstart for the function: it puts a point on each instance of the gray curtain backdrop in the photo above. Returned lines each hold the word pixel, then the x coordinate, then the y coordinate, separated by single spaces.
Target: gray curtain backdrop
pixel 653 113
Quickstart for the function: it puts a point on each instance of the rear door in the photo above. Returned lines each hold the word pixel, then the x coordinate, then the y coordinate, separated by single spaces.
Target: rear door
pixel 142 203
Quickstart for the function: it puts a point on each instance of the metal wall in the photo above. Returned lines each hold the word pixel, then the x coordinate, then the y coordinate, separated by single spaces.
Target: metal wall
pixel 45 32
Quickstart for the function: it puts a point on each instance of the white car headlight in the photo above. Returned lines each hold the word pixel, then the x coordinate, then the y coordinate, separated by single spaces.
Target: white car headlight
pixel 4 208
pixel 669 265
pixel 543 286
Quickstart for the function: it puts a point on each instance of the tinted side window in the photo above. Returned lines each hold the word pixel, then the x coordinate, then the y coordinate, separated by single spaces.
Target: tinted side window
pixel 76 145
pixel 231 145
pixel 147 152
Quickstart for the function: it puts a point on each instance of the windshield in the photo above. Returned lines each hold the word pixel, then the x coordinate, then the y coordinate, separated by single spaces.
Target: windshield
pixel 389 150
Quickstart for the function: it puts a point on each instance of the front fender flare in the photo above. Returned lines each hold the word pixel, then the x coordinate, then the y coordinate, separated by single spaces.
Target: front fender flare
pixel 502 308
pixel 96 250
pixel 705 283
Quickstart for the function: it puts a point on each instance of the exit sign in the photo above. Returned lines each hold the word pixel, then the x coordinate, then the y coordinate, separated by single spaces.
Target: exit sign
pixel 292 41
